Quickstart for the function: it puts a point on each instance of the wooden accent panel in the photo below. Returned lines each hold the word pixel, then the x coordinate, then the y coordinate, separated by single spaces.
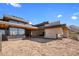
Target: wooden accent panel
pixel 55 27
pixel 7 18
pixel 3 25
pixel 65 32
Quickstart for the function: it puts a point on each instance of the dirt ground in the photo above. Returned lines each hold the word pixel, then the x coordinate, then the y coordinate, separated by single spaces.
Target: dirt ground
pixel 40 47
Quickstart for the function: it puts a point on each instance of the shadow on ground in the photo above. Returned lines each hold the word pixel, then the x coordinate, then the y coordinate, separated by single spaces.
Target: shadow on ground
pixel 40 40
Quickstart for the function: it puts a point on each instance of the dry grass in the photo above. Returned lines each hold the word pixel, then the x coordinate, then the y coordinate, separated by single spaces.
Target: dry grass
pixel 34 47
pixel 73 35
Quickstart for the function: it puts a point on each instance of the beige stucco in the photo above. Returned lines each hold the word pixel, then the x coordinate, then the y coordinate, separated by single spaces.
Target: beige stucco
pixel 52 32
pixel 65 32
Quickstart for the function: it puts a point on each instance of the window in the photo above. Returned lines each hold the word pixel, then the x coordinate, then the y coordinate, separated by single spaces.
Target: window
pixel 17 31
pixel 21 31
pixel 2 32
pixel 15 22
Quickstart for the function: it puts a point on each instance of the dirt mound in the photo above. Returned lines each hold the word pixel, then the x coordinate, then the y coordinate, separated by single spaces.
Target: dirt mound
pixel 36 48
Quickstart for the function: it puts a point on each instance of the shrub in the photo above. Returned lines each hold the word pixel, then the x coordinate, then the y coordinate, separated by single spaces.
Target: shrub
pixel 73 35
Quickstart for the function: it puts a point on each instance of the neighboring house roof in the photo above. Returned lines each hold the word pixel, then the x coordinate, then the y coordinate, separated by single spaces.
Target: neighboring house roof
pixel 14 18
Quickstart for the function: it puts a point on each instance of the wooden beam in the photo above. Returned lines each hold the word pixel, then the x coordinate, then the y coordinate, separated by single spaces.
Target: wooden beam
pixel 4 24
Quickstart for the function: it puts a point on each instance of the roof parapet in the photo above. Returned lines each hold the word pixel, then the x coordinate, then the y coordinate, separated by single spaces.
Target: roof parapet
pixel 14 18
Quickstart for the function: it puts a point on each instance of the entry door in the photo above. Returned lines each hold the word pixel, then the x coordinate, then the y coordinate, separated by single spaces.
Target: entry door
pixel 27 33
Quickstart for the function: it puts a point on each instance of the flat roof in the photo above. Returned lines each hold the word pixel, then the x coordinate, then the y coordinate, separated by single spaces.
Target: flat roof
pixel 14 18
pixel 49 23
pixel 52 26
pixel 41 24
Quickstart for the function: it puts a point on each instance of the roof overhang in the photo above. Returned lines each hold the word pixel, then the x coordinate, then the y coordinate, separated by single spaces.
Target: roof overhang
pixel 13 18
pixel 4 24
pixel 53 26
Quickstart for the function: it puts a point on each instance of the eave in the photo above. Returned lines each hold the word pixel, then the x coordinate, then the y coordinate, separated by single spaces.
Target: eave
pixel 4 24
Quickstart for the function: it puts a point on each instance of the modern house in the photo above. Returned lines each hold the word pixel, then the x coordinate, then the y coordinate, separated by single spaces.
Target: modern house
pixel 14 27
pixel 51 30
pixel 11 26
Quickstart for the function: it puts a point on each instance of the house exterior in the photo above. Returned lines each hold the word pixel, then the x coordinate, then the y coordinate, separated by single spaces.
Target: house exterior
pixel 40 32
pixel 56 31
pixel 52 30
pixel 15 27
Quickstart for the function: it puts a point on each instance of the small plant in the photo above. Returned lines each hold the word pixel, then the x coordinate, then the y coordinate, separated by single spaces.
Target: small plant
pixel 73 35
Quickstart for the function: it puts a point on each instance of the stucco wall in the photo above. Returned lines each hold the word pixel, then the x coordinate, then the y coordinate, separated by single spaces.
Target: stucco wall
pixel 52 32
pixel 65 32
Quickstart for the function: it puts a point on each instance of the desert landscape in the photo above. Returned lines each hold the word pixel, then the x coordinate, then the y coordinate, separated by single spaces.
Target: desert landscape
pixel 40 47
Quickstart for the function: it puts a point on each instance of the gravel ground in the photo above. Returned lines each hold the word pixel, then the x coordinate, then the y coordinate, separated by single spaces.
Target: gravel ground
pixel 40 47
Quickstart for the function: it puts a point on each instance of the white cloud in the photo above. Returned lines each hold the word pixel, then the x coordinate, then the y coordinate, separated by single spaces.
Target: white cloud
pixel 74 17
pixel 14 4
pixel 77 13
pixel 59 16
pixel 40 1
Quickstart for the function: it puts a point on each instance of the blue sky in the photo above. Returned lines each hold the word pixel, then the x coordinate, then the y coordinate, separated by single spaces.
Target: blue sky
pixel 41 12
